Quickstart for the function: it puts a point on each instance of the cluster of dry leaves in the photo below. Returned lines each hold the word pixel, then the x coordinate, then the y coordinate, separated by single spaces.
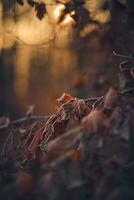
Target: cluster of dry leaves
pixel 40 6
pixel 84 151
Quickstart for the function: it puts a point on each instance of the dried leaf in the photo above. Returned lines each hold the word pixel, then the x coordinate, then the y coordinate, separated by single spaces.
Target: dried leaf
pixel 111 98
pixel 65 98
pixel 95 122
pixel 33 146
pixel 80 109
pixel 61 145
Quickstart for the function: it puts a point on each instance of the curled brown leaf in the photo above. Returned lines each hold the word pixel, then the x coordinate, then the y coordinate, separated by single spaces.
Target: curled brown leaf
pixel 95 122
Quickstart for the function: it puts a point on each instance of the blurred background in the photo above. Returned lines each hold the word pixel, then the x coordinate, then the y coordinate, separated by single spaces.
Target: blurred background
pixel 42 58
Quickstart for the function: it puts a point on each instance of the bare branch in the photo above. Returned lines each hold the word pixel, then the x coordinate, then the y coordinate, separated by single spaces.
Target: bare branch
pixel 123 56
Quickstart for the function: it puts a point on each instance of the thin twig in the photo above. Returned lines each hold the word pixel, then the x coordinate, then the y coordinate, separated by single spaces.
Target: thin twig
pixel 123 56
pixel 5 145
pixel 127 90
pixel 29 118
pixel 24 119
pixel 97 102
pixel 92 100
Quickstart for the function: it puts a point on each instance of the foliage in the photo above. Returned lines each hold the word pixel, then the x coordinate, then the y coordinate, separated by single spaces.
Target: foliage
pixel 39 7
pixel 83 151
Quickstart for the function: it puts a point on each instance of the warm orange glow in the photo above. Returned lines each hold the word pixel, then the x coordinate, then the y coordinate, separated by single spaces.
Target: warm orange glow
pixel 68 19
pixel 1 26
pixel 72 13
pixel 58 10
pixel 22 68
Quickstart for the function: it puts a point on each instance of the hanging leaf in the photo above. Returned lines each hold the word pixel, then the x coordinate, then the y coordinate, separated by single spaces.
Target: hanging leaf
pixel 65 98
pixel 41 10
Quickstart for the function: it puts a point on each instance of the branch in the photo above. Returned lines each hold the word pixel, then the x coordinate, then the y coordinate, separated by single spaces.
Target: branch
pixel 124 56
pixel 24 119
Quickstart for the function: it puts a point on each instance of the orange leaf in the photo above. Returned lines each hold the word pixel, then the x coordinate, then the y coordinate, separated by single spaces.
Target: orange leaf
pixel 65 98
